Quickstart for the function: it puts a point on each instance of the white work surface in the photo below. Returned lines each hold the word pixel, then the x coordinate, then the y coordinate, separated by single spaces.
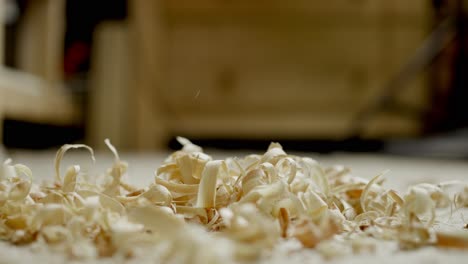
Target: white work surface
pixel 403 172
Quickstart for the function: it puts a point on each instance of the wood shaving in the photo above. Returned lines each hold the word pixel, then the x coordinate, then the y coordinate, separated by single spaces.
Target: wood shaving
pixel 452 240
pixel 244 206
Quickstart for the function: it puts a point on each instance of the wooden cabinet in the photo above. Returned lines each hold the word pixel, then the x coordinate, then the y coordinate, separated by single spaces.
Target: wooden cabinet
pixel 258 68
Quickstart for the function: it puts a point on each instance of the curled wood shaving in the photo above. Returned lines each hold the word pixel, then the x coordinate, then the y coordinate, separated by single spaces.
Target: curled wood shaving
pixel 284 221
pixel 244 206
pixel 311 234
pixel 461 198
pixel 207 189
pixel 61 152
pixel 418 201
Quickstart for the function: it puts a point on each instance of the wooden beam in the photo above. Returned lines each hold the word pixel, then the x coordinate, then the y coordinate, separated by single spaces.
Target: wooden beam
pixel 26 97
pixel 54 40
pixel 2 55
pixel 41 39
pixel 149 51
pixel 2 31
pixel 110 87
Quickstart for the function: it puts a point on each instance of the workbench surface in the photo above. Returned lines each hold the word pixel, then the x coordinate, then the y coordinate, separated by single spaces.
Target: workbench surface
pixel 403 172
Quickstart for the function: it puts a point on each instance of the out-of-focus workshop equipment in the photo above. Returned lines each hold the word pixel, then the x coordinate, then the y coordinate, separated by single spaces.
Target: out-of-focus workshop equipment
pixel 227 69
pixel 417 63
pixel 34 91
pixel 256 69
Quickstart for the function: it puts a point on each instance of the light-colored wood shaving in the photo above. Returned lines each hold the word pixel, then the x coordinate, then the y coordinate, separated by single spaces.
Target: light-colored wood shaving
pixel 244 206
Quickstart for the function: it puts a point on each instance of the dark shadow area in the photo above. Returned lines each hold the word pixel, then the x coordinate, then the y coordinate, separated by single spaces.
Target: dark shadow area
pixel 26 135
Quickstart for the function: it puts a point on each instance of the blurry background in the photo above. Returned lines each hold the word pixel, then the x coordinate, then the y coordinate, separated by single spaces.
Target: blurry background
pixel 352 75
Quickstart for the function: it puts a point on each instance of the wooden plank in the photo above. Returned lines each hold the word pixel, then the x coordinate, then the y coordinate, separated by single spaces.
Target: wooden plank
pixel 237 66
pixel 110 87
pixel 257 44
pixel 267 88
pixel 54 40
pixel 391 125
pixel 260 126
pixel 2 32
pixel 400 44
pixel 41 39
pixel 27 97
pixel 148 30
pixel 30 40
pixel 301 125
pixel 2 56
pixel 332 6
pixel 417 8
pixel 297 11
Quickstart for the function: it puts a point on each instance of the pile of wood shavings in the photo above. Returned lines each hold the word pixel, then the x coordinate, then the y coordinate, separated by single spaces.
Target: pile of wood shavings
pixel 200 210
